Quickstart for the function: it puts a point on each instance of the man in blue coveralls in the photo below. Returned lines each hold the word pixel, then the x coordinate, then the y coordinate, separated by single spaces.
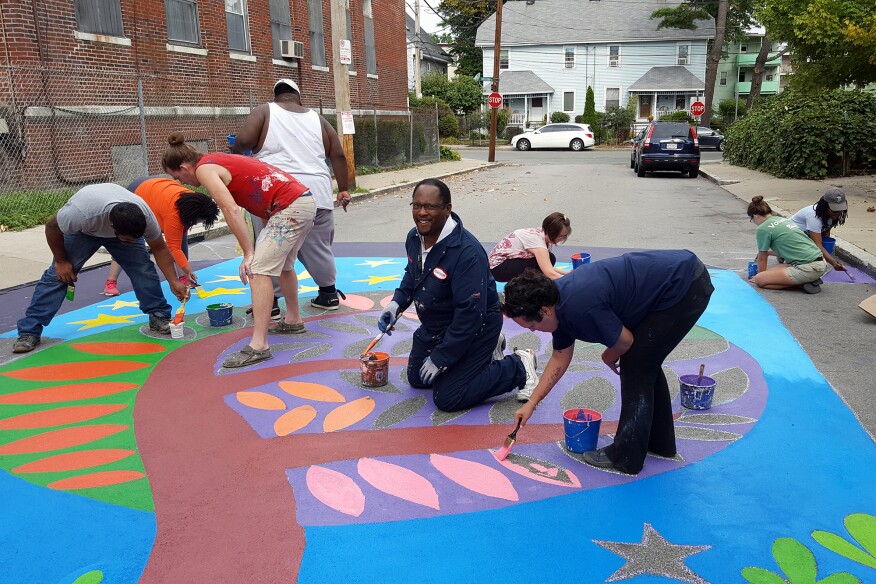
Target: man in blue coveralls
pixel 458 350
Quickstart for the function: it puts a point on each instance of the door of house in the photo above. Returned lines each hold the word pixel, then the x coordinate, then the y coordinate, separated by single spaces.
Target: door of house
pixel 644 106
pixel 537 112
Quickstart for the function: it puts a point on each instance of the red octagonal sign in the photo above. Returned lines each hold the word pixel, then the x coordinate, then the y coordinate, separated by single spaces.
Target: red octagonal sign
pixel 495 100
pixel 697 108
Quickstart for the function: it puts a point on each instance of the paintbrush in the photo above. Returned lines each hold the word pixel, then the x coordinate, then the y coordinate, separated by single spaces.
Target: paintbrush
pixel 702 370
pixel 505 450
pixel 181 311
pixel 849 274
pixel 374 342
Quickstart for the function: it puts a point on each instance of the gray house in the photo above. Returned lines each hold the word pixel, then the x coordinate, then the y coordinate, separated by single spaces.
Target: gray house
pixel 432 57
pixel 553 50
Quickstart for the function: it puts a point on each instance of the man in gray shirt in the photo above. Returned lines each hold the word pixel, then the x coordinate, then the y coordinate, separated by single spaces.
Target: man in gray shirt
pixel 110 216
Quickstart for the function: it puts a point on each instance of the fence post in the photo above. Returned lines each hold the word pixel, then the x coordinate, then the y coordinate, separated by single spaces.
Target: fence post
pixel 437 135
pixel 374 156
pixel 411 128
pixel 143 126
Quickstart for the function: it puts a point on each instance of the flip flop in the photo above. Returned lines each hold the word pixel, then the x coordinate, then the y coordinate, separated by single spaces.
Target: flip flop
pixel 284 328
pixel 246 356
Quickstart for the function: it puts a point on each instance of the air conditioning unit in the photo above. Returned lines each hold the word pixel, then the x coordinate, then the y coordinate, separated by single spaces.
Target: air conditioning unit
pixel 291 49
pixel 682 60
pixel 613 63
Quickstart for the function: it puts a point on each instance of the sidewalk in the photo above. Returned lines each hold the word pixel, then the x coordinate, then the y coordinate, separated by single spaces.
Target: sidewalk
pixel 855 240
pixel 25 255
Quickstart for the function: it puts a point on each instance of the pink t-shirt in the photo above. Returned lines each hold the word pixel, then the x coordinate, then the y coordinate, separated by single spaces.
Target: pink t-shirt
pixel 515 245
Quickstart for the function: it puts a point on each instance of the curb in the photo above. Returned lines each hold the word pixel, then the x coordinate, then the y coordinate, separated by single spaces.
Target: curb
pixel 844 250
pixel 410 184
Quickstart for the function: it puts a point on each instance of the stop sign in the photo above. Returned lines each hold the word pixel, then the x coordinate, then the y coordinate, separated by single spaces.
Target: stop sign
pixel 495 100
pixel 697 109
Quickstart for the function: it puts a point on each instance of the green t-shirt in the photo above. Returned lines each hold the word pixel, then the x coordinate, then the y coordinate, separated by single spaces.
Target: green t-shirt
pixel 788 240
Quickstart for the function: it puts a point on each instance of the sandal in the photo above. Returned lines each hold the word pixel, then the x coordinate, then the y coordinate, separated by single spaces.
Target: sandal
pixel 284 328
pixel 246 356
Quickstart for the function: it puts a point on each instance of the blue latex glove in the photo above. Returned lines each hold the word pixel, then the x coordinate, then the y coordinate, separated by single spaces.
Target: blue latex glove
pixel 429 371
pixel 388 317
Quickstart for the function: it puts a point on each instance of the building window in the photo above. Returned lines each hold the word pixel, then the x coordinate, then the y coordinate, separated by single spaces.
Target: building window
pixel 743 48
pixel 769 76
pixel 235 20
pixel 612 97
pixel 614 55
pixel 679 103
pixel 742 77
pixel 568 101
pixel 569 57
pixel 281 24
pixel 370 48
pixel 683 54
pixel 182 21
pixel 503 59
pixel 317 33
pixel 723 80
pixel 99 17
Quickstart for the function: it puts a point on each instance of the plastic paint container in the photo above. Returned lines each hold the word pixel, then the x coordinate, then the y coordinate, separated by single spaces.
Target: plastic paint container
pixel 375 369
pixel 828 243
pixel 579 259
pixel 177 331
pixel 752 270
pixel 696 391
pixel 582 429
pixel 220 314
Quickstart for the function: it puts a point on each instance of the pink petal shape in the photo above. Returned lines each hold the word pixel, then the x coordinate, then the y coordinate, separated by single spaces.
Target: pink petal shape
pixel 398 481
pixel 410 313
pixel 357 302
pixel 475 476
pixel 336 490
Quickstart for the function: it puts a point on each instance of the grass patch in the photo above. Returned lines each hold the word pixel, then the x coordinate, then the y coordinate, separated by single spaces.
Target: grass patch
pixel 23 210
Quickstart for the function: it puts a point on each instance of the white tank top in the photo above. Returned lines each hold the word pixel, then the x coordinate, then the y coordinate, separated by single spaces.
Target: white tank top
pixel 294 144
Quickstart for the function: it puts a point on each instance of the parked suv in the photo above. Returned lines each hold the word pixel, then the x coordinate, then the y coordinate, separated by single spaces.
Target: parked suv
pixel 668 146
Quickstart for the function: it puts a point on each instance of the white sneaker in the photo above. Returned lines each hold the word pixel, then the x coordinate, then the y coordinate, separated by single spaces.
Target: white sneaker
pixel 499 351
pixel 527 357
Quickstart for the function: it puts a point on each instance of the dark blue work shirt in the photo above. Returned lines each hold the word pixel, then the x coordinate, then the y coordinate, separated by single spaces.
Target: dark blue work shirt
pixel 598 299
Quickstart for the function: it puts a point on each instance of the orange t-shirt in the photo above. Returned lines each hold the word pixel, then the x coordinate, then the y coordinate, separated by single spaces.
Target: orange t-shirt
pixel 161 195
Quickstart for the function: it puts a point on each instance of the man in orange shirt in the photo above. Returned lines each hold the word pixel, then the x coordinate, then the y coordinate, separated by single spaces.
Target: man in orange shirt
pixel 177 210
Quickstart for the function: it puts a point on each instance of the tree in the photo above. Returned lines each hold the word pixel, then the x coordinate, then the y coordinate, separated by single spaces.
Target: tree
pixel 589 116
pixel 759 67
pixel 463 94
pixel 463 17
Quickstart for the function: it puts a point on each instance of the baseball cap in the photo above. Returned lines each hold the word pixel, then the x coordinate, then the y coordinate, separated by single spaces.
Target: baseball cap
pixel 288 82
pixel 836 199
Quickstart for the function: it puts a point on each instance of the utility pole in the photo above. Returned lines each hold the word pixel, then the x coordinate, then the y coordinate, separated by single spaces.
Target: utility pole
pixel 418 90
pixel 342 84
pixel 497 47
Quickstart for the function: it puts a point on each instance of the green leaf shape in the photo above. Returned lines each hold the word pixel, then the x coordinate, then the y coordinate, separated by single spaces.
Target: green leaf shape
pixel 840 578
pixel 795 560
pixel 761 576
pixel 92 577
pixel 862 527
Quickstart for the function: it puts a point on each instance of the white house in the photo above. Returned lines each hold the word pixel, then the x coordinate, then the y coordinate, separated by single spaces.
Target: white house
pixel 552 50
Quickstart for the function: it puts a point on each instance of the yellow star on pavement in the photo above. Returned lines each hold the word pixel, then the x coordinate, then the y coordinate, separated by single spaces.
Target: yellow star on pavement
pixel 372 280
pixel 105 319
pixel 120 304
pixel 225 279
pixel 305 289
pixel 305 275
pixel 218 291
pixel 375 263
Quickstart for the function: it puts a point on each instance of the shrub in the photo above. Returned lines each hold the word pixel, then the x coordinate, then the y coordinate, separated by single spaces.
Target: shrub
pixel 579 118
pixel 512 131
pixel 679 116
pixel 448 154
pixel 502 117
pixel 727 110
pixel 447 123
pixel 559 117
pixel 589 116
pixel 614 124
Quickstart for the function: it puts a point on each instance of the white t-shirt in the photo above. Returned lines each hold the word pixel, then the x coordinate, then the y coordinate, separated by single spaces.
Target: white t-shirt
pixel 515 245
pixel 808 221
pixel 448 228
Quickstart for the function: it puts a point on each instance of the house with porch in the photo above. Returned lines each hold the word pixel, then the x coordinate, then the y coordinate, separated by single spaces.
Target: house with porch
pixel 736 69
pixel 553 50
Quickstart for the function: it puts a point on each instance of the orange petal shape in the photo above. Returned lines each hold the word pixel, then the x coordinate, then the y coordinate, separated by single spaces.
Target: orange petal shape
pixel 294 420
pixel 348 414
pixel 75 370
pixel 312 391
pixel 336 490
pixel 59 416
pixel 63 438
pixel 260 400
pixel 475 476
pixel 398 481
pixel 121 348
pixel 357 302
pixel 74 460
pixel 63 393
pixel 97 479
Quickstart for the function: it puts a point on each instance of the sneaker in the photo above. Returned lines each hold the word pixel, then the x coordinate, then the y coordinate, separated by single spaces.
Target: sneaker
pixel 527 357
pixel 26 343
pixel 818 282
pixel 499 351
pixel 811 288
pixel 327 301
pixel 275 311
pixel 159 324
pixel 111 288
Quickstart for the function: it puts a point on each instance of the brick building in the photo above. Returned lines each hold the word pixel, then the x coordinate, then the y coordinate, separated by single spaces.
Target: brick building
pixel 84 84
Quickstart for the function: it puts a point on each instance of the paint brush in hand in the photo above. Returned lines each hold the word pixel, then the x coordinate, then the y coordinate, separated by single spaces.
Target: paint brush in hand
pixel 849 274
pixel 180 312
pixel 503 452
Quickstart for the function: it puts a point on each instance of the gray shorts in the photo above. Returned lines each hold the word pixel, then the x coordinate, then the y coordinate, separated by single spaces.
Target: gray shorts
pixel 278 243
pixel 803 273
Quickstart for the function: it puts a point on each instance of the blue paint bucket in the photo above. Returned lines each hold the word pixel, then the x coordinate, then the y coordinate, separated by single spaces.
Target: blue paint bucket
pixel 582 429
pixel 220 314
pixel 752 270
pixel 579 259
pixel 697 392
pixel 828 243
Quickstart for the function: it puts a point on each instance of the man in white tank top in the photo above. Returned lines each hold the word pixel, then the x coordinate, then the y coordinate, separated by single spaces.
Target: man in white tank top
pixel 296 139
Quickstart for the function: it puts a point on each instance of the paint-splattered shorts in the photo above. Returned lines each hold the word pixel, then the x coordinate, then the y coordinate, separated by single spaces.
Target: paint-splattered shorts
pixel 279 242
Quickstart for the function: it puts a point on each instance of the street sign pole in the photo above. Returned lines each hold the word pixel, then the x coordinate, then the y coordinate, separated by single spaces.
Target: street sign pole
pixel 497 48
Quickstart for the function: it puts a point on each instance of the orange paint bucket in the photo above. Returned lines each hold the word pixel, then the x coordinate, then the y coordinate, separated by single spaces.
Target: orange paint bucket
pixel 375 369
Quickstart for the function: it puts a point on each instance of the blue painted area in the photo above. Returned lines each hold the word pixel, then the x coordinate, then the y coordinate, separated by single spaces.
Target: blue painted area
pixel 786 478
pixel 55 537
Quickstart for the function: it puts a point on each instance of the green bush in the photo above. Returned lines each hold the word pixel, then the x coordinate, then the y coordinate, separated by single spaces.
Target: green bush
pixel 727 110
pixel 502 117
pixel 447 124
pixel 807 136
pixel 614 124
pixel 559 118
pixel 512 131
pixel 20 211
pixel 679 116
pixel 448 154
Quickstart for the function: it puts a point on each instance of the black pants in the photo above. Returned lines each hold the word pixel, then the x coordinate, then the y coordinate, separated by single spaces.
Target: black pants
pixel 646 423
pixel 516 266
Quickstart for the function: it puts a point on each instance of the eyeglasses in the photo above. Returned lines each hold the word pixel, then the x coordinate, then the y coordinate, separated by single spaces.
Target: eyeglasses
pixel 427 208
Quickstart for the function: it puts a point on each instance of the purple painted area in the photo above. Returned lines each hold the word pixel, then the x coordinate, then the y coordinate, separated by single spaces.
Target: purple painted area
pixel 858 277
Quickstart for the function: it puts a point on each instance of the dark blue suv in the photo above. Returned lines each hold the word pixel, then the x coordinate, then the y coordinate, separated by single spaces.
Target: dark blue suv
pixel 668 146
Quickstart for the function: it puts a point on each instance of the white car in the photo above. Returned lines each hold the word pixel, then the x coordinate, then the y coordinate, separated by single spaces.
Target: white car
pixel 572 136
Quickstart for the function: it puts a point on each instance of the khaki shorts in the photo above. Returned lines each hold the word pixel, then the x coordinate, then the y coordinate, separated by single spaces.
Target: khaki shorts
pixel 803 273
pixel 277 246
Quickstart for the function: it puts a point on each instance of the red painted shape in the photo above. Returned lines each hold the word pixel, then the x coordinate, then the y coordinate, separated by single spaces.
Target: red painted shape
pixel 60 439
pixel 74 460
pixel 64 393
pixel 97 479
pixel 59 416
pixel 120 348
pixel 75 370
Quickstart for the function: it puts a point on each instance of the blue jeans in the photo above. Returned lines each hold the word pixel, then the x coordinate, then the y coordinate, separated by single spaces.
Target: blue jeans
pixel 48 296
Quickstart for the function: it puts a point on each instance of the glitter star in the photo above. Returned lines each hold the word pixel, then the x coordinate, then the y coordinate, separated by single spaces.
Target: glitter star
pixel 654 556
pixel 372 280
pixel 305 275
pixel 218 291
pixel 225 279
pixel 375 263
pixel 105 319
pixel 120 304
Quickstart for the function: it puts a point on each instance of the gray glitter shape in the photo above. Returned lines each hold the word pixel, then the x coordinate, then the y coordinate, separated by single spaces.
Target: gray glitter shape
pixel 594 393
pixel 502 412
pixel 307 334
pixel 402 348
pixel 188 334
pixel 527 462
pixel 237 322
pixel 311 353
pixel 715 419
pixel 698 349
pixel 590 352
pixel 438 417
pixel 355 350
pixel 345 327
pixel 527 340
pixel 672 382
pixel 7 356
pixel 580 367
pixel 654 556
pixel 730 385
pixel 704 434
pixel 354 377
pixel 399 412
pixel 580 458
pixel 370 320
pixel 403 376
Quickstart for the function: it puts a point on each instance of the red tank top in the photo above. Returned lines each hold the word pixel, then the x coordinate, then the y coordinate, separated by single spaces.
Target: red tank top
pixel 260 188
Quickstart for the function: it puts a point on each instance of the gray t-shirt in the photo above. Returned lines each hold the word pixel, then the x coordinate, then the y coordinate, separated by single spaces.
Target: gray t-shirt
pixel 88 211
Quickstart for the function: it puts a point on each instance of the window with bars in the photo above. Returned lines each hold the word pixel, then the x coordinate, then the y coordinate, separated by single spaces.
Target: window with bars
pixel 612 97
pixel 503 59
pixel 723 80
pixel 281 24
pixel 236 21
pixel 568 101
pixel 569 57
pixel 317 33
pixel 99 17
pixel 614 56
pixel 370 47
pixel 182 21
pixel 683 54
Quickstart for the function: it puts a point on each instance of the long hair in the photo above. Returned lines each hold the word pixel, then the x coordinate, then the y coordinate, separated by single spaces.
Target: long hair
pixel 822 211
pixel 178 153
pixel 194 208
pixel 528 293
